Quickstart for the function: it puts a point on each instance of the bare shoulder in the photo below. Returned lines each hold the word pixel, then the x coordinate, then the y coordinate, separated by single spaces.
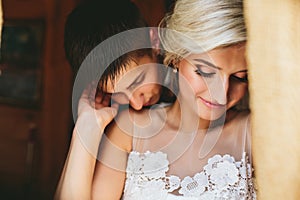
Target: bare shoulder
pixel 120 131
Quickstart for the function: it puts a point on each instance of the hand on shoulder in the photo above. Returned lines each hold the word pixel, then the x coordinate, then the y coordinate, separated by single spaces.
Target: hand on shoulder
pixel 94 113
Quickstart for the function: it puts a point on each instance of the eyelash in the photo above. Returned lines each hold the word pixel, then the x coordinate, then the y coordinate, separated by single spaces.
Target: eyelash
pixel 210 75
pixel 202 73
pixel 206 75
pixel 244 80
pixel 137 82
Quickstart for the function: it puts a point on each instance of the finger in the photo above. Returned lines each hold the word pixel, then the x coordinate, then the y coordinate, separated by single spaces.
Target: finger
pixel 98 97
pixel 89 92
pixel 92 94
pixel 103 101
pixel 85 93
pixel 106 99
pixel 83 101
pixel 87 99
pixel 99 94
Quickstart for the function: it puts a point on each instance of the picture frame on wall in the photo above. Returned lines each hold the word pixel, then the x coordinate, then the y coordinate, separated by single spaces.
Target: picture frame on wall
pixel 21 63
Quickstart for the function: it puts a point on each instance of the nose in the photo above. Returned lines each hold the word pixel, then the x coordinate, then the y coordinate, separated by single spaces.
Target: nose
pixel 219 89
pixel 137 101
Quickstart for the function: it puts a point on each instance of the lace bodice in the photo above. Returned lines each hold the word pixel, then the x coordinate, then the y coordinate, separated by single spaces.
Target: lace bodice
pixel 221 178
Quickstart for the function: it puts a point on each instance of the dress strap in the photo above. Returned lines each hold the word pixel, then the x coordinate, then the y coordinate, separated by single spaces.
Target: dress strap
pixel 136 142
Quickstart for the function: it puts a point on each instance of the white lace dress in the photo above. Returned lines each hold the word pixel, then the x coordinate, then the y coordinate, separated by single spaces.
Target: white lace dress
pixel 156 171
pixel 222 178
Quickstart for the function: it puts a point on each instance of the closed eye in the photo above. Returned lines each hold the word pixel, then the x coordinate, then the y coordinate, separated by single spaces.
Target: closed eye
pixel 204 71
pixel 139 79
pixel 243 78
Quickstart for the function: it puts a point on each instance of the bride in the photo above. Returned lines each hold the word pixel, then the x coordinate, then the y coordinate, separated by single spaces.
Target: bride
pixel 199 147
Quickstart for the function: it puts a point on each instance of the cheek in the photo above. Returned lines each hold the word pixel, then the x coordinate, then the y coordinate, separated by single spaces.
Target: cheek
pixel 153 74
pixel 201 86
pixel 192 83
pixel 151 88
pixel 237 92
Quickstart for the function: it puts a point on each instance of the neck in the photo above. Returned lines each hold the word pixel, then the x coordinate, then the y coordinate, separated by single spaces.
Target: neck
pixel 184 117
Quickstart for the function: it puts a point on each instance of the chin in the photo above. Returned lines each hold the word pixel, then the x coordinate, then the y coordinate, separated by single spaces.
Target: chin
pixel 211 115
pixel 211 118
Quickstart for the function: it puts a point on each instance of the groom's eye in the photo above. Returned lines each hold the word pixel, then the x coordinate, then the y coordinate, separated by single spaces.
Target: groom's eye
pixel 138 80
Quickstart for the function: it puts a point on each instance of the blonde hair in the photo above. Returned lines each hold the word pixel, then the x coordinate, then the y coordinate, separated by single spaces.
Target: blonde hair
pixel 197 26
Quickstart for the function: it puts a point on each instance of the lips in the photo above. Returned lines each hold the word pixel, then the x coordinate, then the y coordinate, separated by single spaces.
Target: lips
pixel 152 100
pixel 148 103
pixel 210 104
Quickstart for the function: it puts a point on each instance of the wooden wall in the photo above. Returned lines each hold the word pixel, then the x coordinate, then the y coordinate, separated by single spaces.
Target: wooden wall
pixel 274 70
pixel 42 132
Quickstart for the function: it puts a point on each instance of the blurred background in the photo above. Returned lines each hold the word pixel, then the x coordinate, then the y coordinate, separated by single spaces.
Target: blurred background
pixel 35 94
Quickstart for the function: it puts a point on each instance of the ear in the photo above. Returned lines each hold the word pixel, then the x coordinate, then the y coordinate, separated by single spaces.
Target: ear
pixel 155 43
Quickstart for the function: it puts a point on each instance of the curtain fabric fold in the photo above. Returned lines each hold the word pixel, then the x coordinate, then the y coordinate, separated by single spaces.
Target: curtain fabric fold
pixel 273 52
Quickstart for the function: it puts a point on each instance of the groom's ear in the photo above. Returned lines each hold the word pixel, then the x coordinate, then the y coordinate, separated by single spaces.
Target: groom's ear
pixel 155 42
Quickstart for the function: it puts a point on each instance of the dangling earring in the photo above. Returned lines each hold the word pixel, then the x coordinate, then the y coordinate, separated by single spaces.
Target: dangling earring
pixel 175 70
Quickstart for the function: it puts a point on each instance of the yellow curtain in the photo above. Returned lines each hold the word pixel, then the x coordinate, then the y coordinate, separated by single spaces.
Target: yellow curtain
pixel 274 70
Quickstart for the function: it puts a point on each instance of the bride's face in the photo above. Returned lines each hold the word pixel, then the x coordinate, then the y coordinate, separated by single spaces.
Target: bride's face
pixel 214 81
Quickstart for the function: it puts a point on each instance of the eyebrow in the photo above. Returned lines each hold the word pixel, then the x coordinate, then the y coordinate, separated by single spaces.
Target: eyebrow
pixel 136 79
pixel 207 63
